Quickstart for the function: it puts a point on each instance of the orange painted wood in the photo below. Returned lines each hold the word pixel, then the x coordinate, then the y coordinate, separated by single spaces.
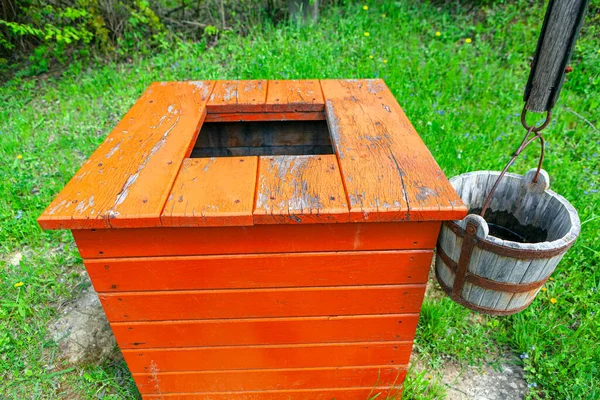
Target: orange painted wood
pixel 111 243
pixel 125 183
pixel 265 357
pixel 259 271
pixel 237 96
pixel 255 303
pixel 273 379
pixel 266 116
pixel 212 192
pixel 294 95
pixel 299 189
pixel 388 172
pixel 259 331
pixel 366 393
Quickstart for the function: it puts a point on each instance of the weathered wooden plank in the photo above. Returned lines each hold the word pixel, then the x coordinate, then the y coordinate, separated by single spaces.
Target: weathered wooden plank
pixel 259 271
pixel 257 303
pixel 260 331
pixel 267 357
pixel 212 192
pixel 274 379
pixel 125 183
pixel 237 97
pixel 299 189
pixel 111 243
pixel 294 95
pixel 379 392
pixel 387 170
pixel 264 133
pixel 267 116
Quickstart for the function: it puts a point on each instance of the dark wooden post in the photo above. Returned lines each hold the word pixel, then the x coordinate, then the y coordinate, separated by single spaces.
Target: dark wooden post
pixel 559 33
pixel 304 10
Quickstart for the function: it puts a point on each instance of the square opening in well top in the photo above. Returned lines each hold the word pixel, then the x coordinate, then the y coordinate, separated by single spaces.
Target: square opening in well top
pixel 263 138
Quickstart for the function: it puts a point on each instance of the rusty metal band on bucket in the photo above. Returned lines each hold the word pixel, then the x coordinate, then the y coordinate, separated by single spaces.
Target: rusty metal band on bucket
pixel 484 310
pixel 486 283
pixel 521 254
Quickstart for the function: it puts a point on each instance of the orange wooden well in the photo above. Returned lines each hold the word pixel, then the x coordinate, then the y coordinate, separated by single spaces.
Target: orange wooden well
pixel 260 239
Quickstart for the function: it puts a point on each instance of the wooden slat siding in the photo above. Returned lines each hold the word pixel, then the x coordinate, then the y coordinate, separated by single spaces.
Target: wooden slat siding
pixel 212 192
pixel 237 96
pixel 259 303
pixel 365 393
pixel 260 331
pixel 299 189
pixel 266 116
pixel 388 172
pixel 294 95
pixel 263 134
pixel 266 357
pixel 259 271
pixel 125 183
pixel 273 379
pixel 112 243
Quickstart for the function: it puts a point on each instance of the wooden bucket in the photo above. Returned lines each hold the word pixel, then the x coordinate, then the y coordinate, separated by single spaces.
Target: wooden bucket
pixel 492 272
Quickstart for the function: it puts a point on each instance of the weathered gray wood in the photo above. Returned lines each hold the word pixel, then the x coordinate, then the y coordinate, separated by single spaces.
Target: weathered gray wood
pixel 530 203
pixel 559 33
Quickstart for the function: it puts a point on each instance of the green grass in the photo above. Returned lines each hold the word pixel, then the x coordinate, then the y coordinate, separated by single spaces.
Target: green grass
pixel 464 100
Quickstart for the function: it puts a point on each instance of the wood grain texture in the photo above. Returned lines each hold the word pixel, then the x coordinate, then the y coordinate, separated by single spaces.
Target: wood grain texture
pixel 299 189
pixel 257 303
pixel 260 331
pixel 259 271
pixel 125 183
pixel 267 357
pixel 364 393
pixel 267 116
pixel 294 95
pixel 388 172
pixel 274 379
pixel 212 192
pixel 149 242
pixel 237 96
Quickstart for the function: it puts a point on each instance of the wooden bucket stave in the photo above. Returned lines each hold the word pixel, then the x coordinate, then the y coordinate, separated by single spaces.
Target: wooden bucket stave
pixel 501 276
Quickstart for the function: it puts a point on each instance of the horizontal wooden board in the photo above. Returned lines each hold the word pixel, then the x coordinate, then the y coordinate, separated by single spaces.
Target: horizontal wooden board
pixel 266 116
pixel 258 331
pixel 212 192
pixel 294 95
pixel 258 303
pixel 265 357
pixel 365 393
pixel 104 243
pixel 259 270
pixel 274 379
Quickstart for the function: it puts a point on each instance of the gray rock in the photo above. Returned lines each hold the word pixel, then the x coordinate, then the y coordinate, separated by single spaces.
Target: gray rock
pixel 82 332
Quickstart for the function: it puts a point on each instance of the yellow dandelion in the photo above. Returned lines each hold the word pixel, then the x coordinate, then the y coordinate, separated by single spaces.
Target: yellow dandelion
pixel 430 376
pixel 367 34
pixel 551 279
pixel 468 40
pixel 553 300
pixel 438 33
pixel 19 156
pixel 385 61
pixel 371 56
pixel 383 15
pixel 365 8
pixel 544 289
pixel 18 284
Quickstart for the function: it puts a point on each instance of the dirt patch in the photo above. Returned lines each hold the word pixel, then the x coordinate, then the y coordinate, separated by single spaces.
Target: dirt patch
pixel 82 331
pixel 485 383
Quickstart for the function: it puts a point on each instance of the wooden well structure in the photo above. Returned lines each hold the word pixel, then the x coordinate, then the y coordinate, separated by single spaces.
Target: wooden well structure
pixel 260 239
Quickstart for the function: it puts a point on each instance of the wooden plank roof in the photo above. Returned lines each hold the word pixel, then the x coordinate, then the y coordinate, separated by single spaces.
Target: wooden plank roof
pixel 142 176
